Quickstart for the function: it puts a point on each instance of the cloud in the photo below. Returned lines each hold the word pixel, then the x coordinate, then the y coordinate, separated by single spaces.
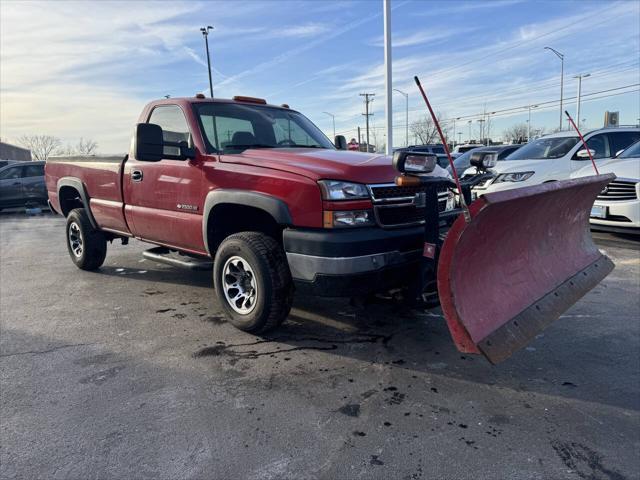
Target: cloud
pixel 301 31
pixel 420 38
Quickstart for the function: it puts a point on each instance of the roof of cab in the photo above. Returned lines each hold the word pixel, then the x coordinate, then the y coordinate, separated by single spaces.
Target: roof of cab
pixel 194 99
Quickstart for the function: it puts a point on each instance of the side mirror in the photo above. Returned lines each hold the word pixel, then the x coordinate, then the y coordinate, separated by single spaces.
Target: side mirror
pixel 148 142
pixel 584 153
pixel 483 160
pixel 414 162
pixel 619 152
pixel 340 142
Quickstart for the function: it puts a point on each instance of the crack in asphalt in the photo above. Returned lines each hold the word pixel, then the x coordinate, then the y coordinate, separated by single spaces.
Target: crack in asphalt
pixel 223 349
pixel 39 352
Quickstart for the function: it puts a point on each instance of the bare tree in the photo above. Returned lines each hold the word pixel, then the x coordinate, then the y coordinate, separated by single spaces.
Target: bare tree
pixel 515 133
pixel 87 147
pixel 41 146
pixel 425 131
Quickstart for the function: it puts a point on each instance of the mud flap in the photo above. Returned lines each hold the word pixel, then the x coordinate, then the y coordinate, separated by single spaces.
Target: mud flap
pixel 524 259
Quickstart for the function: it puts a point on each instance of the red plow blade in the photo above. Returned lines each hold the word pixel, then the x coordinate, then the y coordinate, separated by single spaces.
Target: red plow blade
pixel 524 259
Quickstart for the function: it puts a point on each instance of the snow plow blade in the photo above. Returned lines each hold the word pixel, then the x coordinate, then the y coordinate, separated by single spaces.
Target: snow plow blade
pixel 524 259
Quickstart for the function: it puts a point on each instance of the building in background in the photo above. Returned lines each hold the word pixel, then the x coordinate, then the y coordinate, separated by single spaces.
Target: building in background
pixel 11 152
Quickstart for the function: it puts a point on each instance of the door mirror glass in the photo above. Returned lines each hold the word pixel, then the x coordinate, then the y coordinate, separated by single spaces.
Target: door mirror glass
pixel 584 154
pixel 148 142
pixel 340 142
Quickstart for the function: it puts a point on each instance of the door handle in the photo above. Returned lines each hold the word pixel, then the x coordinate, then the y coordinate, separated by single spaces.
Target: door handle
pixel 136 175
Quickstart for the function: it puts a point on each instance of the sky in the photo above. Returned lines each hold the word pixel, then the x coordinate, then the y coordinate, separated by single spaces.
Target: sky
pixel 85 69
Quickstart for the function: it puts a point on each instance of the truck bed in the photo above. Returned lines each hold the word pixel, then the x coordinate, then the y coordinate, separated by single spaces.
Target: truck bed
pixel 101 177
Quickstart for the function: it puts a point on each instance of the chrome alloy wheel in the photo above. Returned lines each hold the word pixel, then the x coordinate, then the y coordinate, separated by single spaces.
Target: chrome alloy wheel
pixel 240 288
pixel 75 239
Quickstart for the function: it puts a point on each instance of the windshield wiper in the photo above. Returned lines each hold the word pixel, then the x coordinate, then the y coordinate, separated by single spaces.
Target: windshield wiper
pixel 305 146
pixel 253 145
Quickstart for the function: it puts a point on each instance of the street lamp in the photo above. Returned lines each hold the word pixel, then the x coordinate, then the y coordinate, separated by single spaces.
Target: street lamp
pixel 561 57
pixel 333 117
pixel 529 123
pixel 469 123
pixel 580 77
pixel 406 98
pixel 205 34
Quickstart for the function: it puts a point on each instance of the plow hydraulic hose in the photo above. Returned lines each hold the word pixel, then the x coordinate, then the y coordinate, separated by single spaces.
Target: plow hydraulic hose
pixel 583 142
pixel 463 203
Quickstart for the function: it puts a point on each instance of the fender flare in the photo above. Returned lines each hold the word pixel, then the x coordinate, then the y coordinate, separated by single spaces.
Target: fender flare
pixel 275 207
pixel 84 196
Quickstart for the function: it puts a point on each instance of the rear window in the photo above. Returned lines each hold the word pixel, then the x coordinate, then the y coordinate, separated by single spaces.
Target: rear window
pixel 621 140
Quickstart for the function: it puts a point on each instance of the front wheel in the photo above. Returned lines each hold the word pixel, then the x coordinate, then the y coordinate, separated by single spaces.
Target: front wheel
pixel 87 246
pixel 252 281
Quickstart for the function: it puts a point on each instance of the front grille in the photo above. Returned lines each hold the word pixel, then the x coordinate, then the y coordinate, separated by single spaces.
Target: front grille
pixel 619 190
pixel 391 191
pixel 396 206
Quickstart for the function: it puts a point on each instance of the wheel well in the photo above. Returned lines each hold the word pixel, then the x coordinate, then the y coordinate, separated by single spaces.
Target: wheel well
pixel 69 199
pixel 226 219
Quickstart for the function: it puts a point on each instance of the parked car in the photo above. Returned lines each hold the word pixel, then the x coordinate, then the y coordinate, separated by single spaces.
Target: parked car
pixel 435 149
pixel 556 157
pixel 617 208
pixel 462 163
pixel 257 187
pixel 4 163
pixel 22 184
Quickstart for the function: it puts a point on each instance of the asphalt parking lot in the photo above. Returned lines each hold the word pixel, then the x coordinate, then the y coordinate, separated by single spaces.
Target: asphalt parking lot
pixel 132 372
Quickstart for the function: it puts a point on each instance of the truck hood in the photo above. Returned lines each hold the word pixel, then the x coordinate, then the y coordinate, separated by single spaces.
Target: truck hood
pixel 318 164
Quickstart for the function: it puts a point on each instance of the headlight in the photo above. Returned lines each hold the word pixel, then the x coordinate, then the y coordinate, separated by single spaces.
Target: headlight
pixel 349 218
pixel 513 177
pixel 336 190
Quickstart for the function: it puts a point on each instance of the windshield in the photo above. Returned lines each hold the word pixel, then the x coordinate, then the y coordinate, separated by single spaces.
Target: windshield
pixel 231 127
pixel 544 149
pixel 632 151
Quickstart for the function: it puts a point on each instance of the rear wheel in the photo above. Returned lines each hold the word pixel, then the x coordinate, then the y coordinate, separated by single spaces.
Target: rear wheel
pixel 87 246
pixel 252 281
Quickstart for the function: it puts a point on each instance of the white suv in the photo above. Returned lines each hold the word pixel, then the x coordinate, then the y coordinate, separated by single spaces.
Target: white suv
pixel 556 157
pixel 617 207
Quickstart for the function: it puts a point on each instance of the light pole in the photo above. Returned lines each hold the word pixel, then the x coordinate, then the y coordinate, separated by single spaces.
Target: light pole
pixel 333 117
pixel 459 138
pixel 529 123
pixel 386 6
pixel 205 34
pixel 580 77
pixel 561 57
pixel 406 115
pixel 469 123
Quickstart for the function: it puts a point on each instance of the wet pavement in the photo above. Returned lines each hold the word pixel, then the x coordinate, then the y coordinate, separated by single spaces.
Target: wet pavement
pixel 133 372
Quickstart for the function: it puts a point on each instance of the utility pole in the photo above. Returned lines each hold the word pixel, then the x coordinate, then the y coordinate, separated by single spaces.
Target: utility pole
pixel 489 127
pixel 580 77
pixel 481 122
pixel 386 4
pixel 367 101
pixel 205 34
pixel 561 57
pixel 406 115
pixel 529 123
pixel 333 117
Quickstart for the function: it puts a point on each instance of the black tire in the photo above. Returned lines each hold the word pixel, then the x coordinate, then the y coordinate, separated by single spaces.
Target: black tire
pixel 265 273
pixel 92 243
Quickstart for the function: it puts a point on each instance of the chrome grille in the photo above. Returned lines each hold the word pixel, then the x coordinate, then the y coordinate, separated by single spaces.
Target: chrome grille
pixel 619 190
pixel 395 206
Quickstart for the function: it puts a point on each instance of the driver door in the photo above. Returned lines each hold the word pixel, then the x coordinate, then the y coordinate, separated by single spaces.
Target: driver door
pixel 164 199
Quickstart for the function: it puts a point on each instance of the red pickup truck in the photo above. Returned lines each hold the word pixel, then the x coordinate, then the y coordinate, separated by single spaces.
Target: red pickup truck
pixel 258 188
